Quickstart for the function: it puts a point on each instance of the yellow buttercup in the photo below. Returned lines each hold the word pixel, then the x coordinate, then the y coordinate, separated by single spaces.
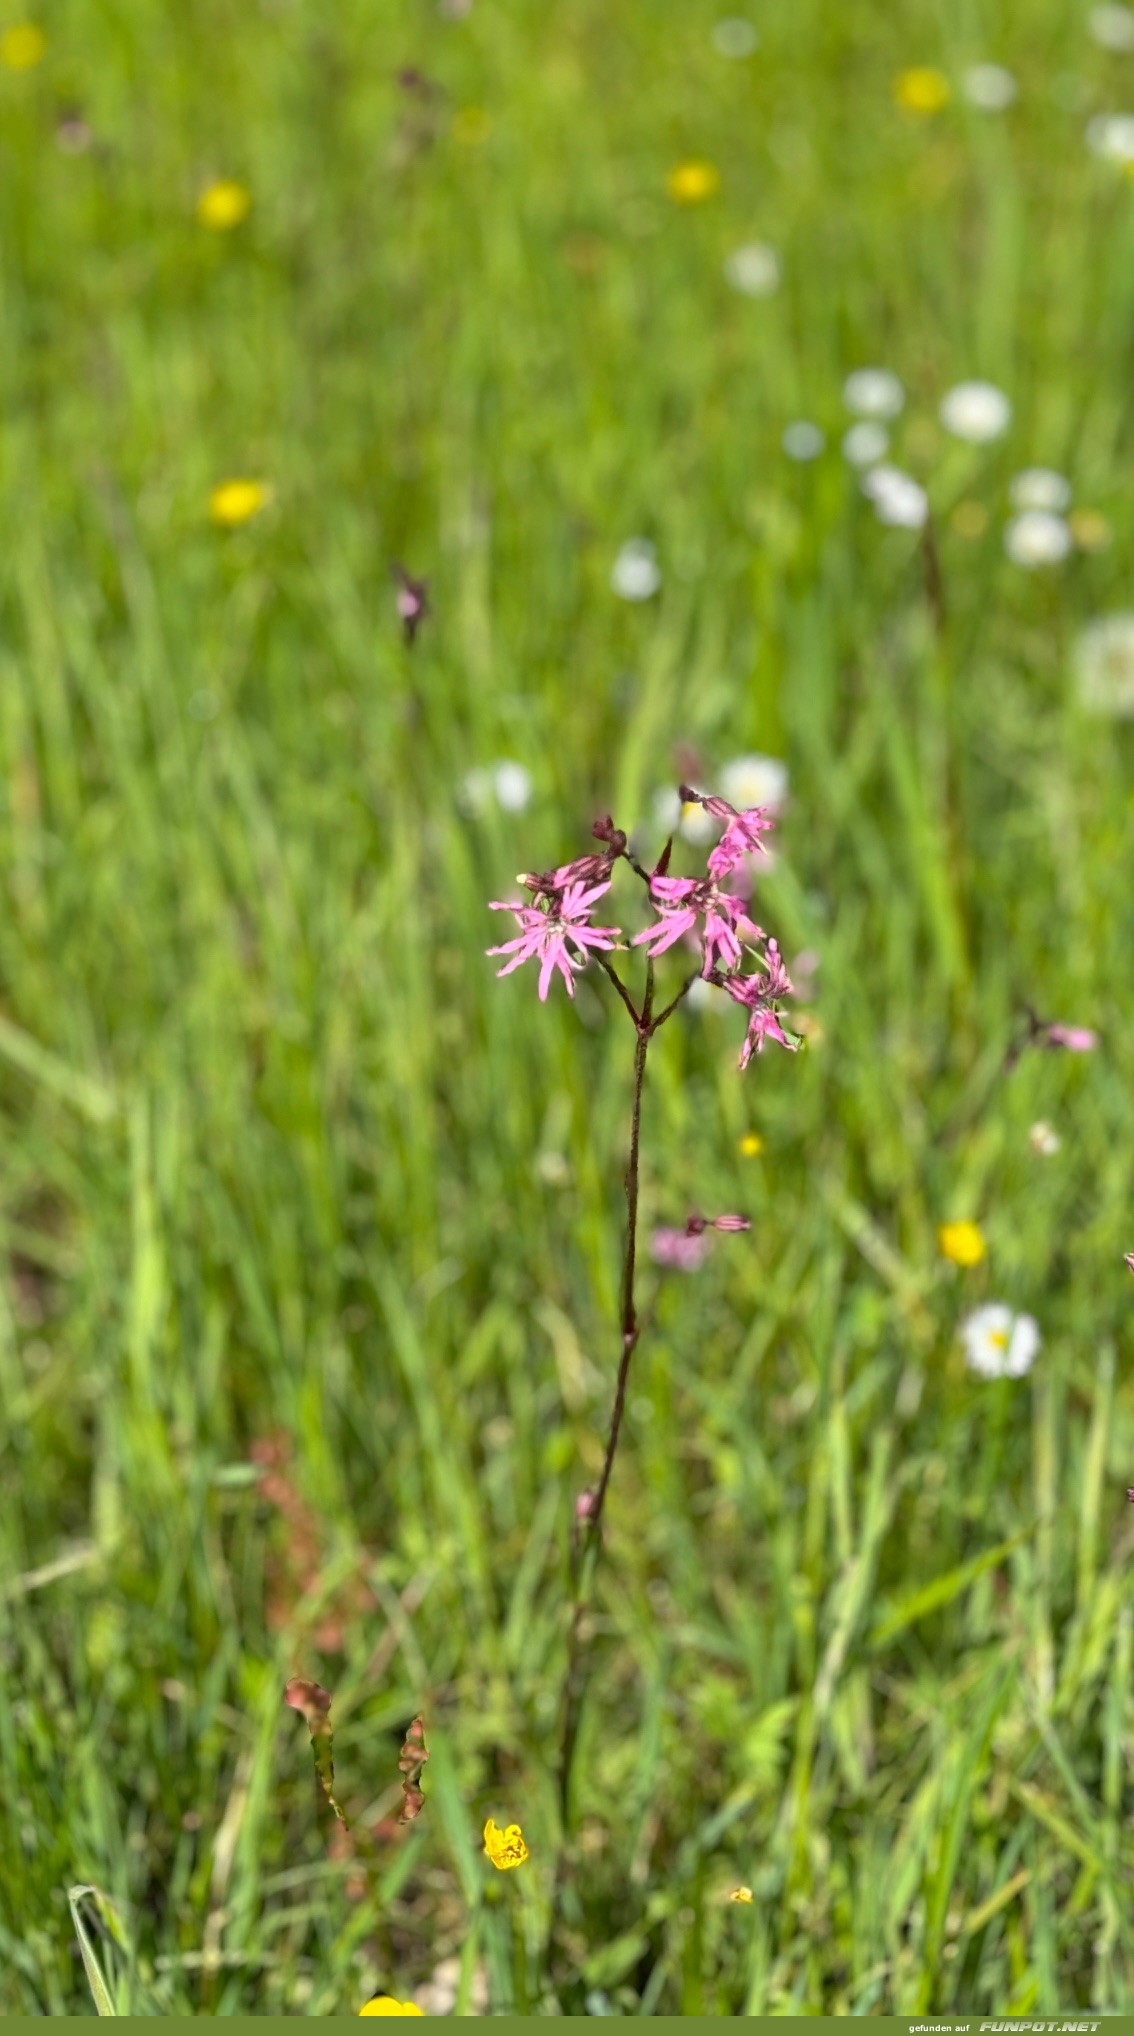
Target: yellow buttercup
pixel 504 1848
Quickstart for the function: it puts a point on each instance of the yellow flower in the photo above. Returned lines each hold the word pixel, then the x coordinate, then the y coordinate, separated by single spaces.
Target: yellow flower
pixel 504 1848
pixel 741 1895
pixel 689 183
pixel 961 1243
pixel 970 519
pixel 751 1144
pixel 233 502
pixel 922 90
pixel 471 126
pixel 23 46
pixel 1090 531
pixel 383 2005
pixel 223 205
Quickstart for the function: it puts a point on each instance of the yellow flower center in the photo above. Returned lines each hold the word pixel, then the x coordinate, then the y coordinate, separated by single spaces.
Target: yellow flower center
pixel 751 1144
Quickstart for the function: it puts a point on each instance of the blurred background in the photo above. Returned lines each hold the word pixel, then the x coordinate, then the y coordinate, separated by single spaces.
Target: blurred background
pixel 311 1228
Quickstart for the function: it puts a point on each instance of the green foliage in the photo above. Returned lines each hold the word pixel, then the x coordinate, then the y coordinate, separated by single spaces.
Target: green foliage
pixel 282 1154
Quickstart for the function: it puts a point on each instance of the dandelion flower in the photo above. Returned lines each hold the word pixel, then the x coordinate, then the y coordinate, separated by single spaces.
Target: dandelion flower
pixel 1112 26
pixel 753 269
pixel 751 1145
pixel 223 205
pixel 504 1848
pixel 1044 1139
pixel 1040 488
pixel 22 46
pixel 754 781
pixel 866 444
pixel 1111 136
pixel 989 87
pixel 998 1342
pixel 969 520
pixel 382 2004
pixel 898 499
pixel 234 502
pixel 976 411
pixel 961 1243
pixel 1090 531
pixel 691 183
pixel 803 441
pixel 922 90
pixel 1037 539
pixel 636 574
pixel 735 37
pixel 873 392
pixel 1104 666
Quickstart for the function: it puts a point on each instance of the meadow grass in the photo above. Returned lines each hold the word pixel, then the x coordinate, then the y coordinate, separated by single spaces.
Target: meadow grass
pixel 273 1131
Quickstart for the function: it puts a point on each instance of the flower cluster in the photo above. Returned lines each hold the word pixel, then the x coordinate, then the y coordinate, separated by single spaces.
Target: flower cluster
pixel 556 929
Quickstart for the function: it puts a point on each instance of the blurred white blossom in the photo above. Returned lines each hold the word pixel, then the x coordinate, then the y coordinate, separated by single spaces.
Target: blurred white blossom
pixel 866 443
pixel 1112 135
pixel 873 392
pixel 1104 666
pixel 803 441
pixel 999 1343
pixel 753 269
pixel 898 499
pixel 1037 538
pixel 636 574
pixel 1040 488
pixel 989 87
pixel 1112 26
pixel 976 411
pixel 735 37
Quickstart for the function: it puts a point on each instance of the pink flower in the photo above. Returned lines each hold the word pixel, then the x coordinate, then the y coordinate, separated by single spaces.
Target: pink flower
pixel 550 928
pixel 742 831
pixel 411 601
pixel 681 902
pixel 676 1248
pixel 758 993
pixel 1129 1257
pixel 695 1224
pixel 1076 1038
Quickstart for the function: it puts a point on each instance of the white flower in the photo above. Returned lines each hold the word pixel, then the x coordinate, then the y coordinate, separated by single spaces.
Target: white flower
pixel 866 443
pixel 1044 1139
pixel 1104 665
pixel 898 499
pixel 999 1343
pixel 1037 539
pixel 754 781
pixel 976 411
pixel 1112 26
pixel 735 37
pixel 512 785
pixel 873 392
pixel 1040 488
pixel 753 269
pixel 989 87
pixel 1112 135
pixel 635 574
pixel 803 441
pixel 690 821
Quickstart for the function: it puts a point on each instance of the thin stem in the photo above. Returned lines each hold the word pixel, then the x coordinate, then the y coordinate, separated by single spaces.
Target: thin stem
pixel 629 1328
pixel 675 1001
pixel 934 584
pixel 620 987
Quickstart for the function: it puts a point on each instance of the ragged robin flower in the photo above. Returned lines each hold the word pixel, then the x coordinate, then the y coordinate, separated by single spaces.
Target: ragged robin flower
pixel 504 1848
pixel 557 929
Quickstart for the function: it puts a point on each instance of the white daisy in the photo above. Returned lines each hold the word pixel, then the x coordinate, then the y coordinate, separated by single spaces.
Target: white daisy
pixel 1040 488
pixel 803 441
pixel 1112 26
pixel 1037 538
pixel 976 411
pixel 1044 1139
pixel 690 821
pixel 898 499
pixel 635 574
pixel 512 785
pixel 735 37
pixel 1104 666
pixel 754 781
pixel 753 269
pixel 989 87
pixel 999 1343
pixel 866 443
pixel 1112 135
pixel 873 392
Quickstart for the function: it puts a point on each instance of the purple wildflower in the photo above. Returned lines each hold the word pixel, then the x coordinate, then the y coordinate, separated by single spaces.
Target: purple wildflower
pixel 758 994
pixel 1076 1038
pixel 678 1249
pixel 681 901
pixel 742 830
pixel 550 928
pixel 411 601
